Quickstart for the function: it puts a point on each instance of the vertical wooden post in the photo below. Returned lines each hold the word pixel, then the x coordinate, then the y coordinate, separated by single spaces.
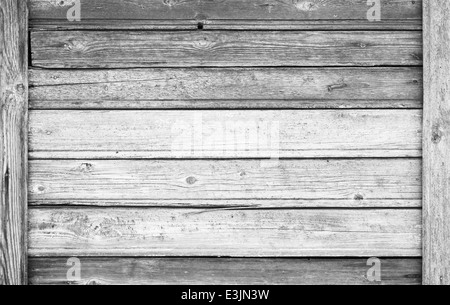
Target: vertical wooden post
pixel 13 141
pixel 436 154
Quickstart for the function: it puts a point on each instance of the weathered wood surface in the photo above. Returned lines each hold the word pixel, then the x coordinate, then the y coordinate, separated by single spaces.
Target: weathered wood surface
pixel 352 203
pixel 239 14
pixel 436 156
pixel 279 25
pixel 205 232
pixel 13 141
pixel 368 179
pixel 227 88
pixel 224 271
pixel 134 49
pixel 234 191
pixel 225 134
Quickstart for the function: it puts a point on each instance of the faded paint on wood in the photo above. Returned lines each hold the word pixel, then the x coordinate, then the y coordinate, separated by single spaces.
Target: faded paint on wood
pixel 242 233
pixel 224 271
pixel 140 49
pixel 13 141
pixel 225 134
pixel 225 179
pixel 436 238
pixel 235 14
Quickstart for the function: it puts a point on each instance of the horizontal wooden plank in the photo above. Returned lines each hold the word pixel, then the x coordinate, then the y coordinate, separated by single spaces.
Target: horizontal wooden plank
pixel 224 271
pixel 242 233
pixel 134 49
pixel 227 88
pixel 225 134
pixel 355 203
pixel 360 179
pixel 230 9
pixel 241 14
pixel 191 24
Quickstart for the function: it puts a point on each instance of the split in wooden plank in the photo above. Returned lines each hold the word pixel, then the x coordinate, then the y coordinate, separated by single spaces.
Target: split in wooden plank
pixel 242 233
pixel 225 134
pixel 239 14
pixel 436 155
pixel 224 271
pixel 13 141
pixel 355 203
pixel 141 49
pixel 361 179
pixel 227 88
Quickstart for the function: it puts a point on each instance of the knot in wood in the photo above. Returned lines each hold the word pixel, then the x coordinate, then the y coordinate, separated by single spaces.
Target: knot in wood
pixel 359 197
pixel 20 89
pixel 336 87
pixel 436 135
pixel 85 168
pixel 191 180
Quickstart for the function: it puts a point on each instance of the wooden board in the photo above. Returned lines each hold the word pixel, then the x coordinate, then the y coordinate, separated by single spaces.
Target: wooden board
pixel 436 143
pixel 13 141
pixel 191 24
pixel 225 134
pixel 135 49
pixel 352 179
pixel 227 88
pixel 352 203
pixel 224 271
pixel 205 232
pixel 238 14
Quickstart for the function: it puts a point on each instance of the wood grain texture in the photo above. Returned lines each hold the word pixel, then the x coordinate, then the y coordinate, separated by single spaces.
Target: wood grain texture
pixel 243 233
pixel 234 88
pixel 225 134
pixel 353 203
pixel 224 271
pixel 240 14
pixel 275 24
pixel 141 49
pixel 437 143
pixel 369 179
pixel 13 141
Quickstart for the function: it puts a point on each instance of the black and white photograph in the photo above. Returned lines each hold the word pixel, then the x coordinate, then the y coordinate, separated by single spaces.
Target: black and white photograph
pixel 224 151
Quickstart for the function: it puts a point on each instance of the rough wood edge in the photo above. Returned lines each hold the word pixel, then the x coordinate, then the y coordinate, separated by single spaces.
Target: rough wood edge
pixel 436 143
pixel 13 141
